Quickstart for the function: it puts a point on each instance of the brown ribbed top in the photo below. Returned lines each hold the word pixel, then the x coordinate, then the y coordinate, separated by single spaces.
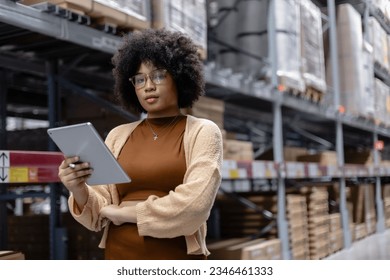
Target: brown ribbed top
pixel 155 168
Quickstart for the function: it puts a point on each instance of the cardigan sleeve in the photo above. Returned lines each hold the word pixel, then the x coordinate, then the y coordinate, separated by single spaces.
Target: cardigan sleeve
pixel 184 210
pixel 98 197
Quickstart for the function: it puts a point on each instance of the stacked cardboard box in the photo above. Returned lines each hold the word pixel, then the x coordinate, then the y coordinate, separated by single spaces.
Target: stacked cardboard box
pixel 322 158
pixel 208 108
pixel 318 218
pixel 360 231
pixel 298 226
pixel 386 203
pixel 289 153
pixel 364 213
pixel 11 255
pixel 336 240
pixel 257 249
pixel 217 248
pixel 237 150
pixel 387 211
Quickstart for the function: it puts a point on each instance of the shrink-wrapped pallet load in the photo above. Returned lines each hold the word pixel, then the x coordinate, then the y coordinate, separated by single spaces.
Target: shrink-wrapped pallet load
pixel 313 65
pixel 368 94
pixel 224 33
pixel 251 36
pixel 377 37
pixel 288 44
pixel 251 40
pixel 134 14
pixel 382 93
pixel 350 60
pixel 187 16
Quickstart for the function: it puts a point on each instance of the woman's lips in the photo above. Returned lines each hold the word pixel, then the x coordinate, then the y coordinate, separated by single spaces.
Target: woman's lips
pixel 151 99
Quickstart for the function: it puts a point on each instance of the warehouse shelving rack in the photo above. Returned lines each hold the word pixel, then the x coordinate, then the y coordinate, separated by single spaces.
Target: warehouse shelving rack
pixel 257 93
pixel 256 96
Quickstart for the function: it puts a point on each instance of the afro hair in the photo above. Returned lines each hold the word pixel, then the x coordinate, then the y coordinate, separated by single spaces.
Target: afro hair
pixel 172 51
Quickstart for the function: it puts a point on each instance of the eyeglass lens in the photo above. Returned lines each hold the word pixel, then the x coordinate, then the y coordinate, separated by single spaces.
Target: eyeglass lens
pixel 156 76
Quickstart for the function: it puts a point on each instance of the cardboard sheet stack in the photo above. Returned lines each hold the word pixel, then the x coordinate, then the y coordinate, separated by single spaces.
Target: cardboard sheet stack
pixel 351 63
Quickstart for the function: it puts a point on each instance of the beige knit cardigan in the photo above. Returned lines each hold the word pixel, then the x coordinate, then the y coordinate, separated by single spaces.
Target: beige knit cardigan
pixel 184 211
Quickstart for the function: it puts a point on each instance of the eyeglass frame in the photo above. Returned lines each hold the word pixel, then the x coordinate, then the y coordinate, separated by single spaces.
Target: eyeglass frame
pixel 131 79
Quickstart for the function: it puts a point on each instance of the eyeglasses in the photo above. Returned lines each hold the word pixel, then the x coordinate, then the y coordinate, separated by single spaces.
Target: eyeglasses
pixel 156 76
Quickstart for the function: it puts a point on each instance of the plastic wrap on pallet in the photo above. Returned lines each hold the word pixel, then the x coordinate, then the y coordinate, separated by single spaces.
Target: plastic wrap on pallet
pixel 225 33
pixel 288 44
pixel 187 16
pixel 138 11
pixel 377 37
pixel 381 99
pixel 388 44
pixel 387 10
pixel 350 59
pixel 313 65
pixel 253 37
pixel 368 94
pixel 382 5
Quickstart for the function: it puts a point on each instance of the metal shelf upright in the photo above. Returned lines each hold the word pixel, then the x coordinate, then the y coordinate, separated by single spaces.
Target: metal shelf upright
pixel 339 124
pixel 278 136
pixel 370 10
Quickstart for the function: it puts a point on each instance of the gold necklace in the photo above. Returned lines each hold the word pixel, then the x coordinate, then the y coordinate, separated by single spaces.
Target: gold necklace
pixel 155 135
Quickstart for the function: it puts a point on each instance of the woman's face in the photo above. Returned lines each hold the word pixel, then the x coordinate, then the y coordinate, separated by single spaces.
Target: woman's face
pixel 156 91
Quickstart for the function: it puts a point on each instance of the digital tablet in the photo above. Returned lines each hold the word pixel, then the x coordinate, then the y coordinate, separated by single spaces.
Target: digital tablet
pixel 83 140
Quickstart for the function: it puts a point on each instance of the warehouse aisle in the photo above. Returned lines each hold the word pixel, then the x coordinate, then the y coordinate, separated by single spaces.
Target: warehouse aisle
pixel 373 247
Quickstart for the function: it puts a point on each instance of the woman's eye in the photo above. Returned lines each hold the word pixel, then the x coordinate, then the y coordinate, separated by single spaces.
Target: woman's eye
pixel 139 80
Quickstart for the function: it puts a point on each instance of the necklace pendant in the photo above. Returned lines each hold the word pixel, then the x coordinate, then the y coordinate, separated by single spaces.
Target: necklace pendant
pixel 155 137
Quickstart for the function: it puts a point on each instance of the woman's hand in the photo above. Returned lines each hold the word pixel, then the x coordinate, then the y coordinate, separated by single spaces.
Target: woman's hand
pixel 73 175
pixel 119 214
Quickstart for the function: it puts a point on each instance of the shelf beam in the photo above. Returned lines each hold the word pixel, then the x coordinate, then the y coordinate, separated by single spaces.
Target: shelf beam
pixel 29 18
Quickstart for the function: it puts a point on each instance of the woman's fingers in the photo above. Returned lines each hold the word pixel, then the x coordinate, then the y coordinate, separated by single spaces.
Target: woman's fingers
pixel 74 173
pixel 69 160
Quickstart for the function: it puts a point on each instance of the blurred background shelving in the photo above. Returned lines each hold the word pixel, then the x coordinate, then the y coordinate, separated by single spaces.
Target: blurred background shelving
pixel 300 90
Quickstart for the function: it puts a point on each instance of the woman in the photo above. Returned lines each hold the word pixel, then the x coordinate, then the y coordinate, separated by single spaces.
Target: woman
pixel 173 160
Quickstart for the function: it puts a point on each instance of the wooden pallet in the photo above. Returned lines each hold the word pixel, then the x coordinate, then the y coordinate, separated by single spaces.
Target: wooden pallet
pixel 310 94
pixel 90 13
pixel 314 95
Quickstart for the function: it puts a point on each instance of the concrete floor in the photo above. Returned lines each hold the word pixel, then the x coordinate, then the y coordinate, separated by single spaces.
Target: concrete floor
pixel 373 247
